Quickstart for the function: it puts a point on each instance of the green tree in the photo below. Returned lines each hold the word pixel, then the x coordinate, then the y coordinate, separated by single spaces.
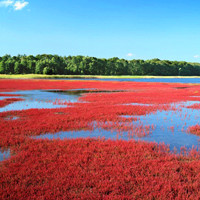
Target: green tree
pixel 2 67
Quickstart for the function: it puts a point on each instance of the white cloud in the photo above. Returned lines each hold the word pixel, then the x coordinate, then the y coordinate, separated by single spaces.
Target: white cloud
pixel 197 56
pixel 6 3
pixel 17 5
pixel 20 5
pixel 129 54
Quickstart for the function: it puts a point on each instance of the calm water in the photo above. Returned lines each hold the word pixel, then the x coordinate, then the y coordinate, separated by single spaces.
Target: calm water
pixel 38 99
pixel 164 80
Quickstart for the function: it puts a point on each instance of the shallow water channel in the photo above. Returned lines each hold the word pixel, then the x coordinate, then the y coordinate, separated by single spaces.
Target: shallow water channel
pixel 37 99
pixel 170 127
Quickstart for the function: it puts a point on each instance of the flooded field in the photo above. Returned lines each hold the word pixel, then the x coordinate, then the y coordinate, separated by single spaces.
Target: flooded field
pixel 170 126
pixel 162 118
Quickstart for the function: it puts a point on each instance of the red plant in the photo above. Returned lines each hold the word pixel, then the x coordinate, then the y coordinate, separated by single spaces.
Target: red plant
pixel 8 101
pixel 89 168
pixel 194 106
pixel 97 169
pixel 94 110
pixel 194 129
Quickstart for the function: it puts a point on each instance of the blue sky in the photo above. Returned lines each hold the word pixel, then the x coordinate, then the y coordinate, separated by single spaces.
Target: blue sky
pixel 130 29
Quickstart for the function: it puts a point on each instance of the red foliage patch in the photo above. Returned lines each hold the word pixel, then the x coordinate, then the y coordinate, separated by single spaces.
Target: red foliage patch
pixel 194 106
pixel 96 169
pixel 8 101
pixel 9 95
pixel 194 129
pixel 95 110
pixel 139 92
pixel 81 116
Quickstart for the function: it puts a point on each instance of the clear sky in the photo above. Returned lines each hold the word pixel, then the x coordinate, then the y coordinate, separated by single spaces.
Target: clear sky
pixel 130 29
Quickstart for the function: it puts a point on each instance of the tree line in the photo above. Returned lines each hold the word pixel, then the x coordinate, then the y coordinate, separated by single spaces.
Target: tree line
pixel 84 65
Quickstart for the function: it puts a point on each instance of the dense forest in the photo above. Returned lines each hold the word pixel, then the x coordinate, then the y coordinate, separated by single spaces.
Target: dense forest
pixel 81 65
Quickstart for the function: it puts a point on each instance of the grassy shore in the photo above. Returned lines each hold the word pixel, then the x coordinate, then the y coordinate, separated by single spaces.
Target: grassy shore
pixel 41 76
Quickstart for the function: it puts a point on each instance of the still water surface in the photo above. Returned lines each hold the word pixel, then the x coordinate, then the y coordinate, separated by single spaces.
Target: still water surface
pixel 157 80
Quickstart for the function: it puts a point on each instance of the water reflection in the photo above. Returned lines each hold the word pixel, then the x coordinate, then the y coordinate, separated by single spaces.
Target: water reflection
pixel 96 133
pixel 79 92
pixel 46 98
pixel 38 99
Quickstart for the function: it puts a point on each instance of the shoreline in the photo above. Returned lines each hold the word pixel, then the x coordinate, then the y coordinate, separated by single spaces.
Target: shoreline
pixel 41 76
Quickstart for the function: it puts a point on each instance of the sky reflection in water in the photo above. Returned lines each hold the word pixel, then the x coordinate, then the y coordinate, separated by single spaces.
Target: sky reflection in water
pixel 37 99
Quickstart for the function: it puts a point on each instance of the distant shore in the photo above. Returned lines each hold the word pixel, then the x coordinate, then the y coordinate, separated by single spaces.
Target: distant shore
pixel 41 76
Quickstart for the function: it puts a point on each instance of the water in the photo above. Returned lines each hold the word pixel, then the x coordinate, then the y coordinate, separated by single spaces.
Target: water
pixel 3 97
pixel 44 98
pixel 170 127
pixel 157 80
pixel 97 133
pixel 175 140
pixel 4 154
pixel 38 99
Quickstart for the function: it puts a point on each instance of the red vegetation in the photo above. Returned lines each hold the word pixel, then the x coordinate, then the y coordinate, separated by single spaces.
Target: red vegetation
pixel 94 110
pixel 9 95
pixel 89 168
pixel 81 116
pixel 194 106
pixel 96 169
pixel 8 101
pixel 194 129
pixel 139 92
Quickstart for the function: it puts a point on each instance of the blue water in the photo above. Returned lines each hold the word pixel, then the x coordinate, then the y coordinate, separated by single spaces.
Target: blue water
pixel 4 154
pixel 2 98
pixel 38 99
pixel 157 80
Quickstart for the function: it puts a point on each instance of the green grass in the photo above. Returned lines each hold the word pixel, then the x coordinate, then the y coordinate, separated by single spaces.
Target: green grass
pixel 36 76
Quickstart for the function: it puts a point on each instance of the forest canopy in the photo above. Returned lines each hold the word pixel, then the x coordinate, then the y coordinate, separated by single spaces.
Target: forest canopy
pixel 84 65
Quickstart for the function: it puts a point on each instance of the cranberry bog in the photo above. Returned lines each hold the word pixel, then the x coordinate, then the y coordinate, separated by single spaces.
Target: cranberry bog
pixel 73 139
